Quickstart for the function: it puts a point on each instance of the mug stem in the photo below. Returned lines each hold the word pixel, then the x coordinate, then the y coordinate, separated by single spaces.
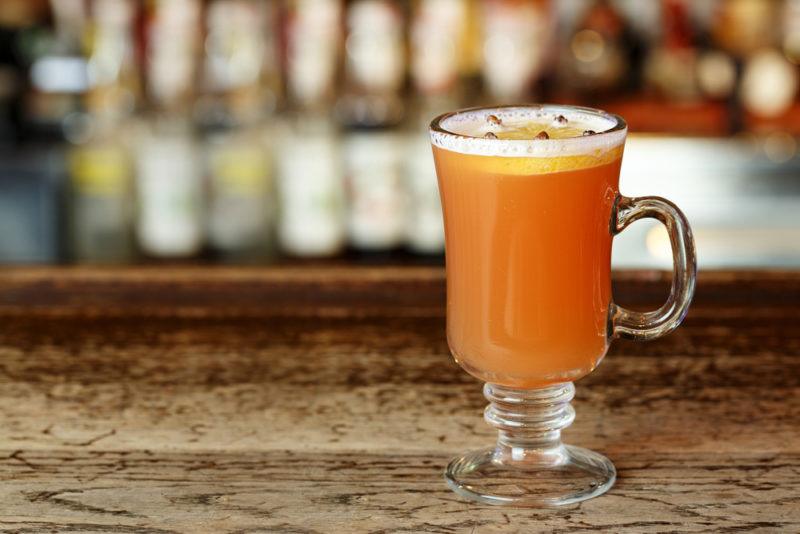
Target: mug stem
pixel 529 423
pixel 529 465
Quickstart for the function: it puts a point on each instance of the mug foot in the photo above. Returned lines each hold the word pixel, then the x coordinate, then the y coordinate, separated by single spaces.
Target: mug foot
pixel 569 476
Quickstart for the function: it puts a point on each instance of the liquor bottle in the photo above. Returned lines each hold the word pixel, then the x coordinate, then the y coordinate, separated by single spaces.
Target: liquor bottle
pixel 603 55
pixel 241 82
pixel 375 64
pixel 517 36
pixel 310 188
pixel 313 50
pixel 100 167
pixel 169 186
pixel 671 67
pixel 370 111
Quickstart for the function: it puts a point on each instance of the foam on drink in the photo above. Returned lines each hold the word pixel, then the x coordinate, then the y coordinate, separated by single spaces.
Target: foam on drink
pixel 513 132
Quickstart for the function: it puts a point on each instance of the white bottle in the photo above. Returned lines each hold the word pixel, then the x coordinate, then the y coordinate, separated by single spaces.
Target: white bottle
pixel 310 191
pixel 377 200
pixel 169 191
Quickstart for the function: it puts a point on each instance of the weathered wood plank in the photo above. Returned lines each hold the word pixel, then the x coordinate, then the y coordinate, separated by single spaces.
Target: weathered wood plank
pixel 362 351
pixel 102 292
pixel 263 492
pixel 441 418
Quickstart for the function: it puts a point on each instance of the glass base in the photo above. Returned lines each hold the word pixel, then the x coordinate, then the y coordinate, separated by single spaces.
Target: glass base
pixel 575 474
pixel 529 466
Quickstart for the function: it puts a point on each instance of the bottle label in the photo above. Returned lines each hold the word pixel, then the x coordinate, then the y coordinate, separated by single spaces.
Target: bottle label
pixel 100 211
pixel 238 45
pixel 172 50
pixel 516 36
pixel 374 45
pixel 436 34
pixel 169 192
pixel 376 192
pixel 313 42
pixel 240 210
pixel 100 170
pixel 311 195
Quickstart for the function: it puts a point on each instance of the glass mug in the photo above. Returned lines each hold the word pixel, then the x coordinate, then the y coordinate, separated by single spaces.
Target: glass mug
pixel 531 204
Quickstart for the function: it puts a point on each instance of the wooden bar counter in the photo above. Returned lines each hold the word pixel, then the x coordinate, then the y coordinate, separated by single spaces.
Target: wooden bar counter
pixel 307 400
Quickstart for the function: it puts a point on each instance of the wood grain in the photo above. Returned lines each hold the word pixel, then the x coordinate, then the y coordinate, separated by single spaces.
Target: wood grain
pixel 324 400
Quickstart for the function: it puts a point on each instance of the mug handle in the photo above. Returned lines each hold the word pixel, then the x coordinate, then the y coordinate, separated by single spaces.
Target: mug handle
pixel 644 326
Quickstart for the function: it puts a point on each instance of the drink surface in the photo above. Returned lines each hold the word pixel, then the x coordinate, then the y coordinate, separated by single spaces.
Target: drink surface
pixel 528 249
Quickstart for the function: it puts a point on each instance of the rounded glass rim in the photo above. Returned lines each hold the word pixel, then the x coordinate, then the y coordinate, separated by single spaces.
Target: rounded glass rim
pixel 459 142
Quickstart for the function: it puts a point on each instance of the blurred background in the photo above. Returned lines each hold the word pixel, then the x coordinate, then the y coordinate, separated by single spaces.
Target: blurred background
pixel 263 132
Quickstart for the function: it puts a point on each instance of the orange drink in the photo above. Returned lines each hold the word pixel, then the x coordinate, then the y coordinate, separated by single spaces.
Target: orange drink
pixel 528 238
